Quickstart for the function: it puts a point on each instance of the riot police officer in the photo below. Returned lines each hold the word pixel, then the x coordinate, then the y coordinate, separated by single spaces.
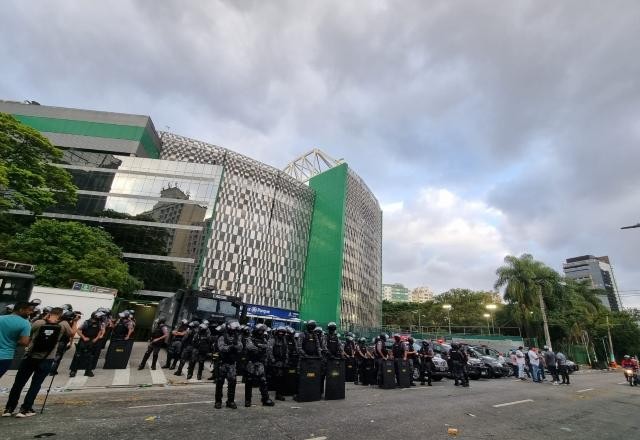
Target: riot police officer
pixel 175 346
pixel 229 348
pixel 292 349
pixel 381 353
pixel 278 360
pixel 425 355
pixel 457 362
pixel 158 339
pixel 361 355
pixel 349 350
pixel 187 347
pixel 309 345
pixel 332 343
pixel 398 350
pixel 201 344
pixel 216 331
pixel 90 333
pixel 412 356
pixel 257 348
pixel 124 327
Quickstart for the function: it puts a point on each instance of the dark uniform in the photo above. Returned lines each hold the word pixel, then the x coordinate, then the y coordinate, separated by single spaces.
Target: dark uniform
pixel 362 356
pixel 278 360
pixel 457 362
pixel 159 336
pixel 175 346
pixel 257 348
pixel 201 344
pixel 309 345
pixel 412 357
pixel 398 349
pixel 426 362
pixel 381 354
pixel 332 343
pixel 229 348
pixel 187 347
pixel 349 349
pixel 122 326
pixel 86 351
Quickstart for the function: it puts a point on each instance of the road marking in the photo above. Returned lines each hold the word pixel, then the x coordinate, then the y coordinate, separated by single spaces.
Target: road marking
pixel 585 390
pixel 622 383
pixel 171 404
pixel 512 403
pixel 78 381
pixel 157 376
pixel 319 438
pixel 121 376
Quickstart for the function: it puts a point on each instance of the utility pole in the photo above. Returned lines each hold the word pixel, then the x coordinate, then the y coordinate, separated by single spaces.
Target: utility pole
pixel 612 357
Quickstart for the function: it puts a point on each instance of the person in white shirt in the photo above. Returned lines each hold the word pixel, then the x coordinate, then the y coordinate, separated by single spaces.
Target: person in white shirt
pixel 520 362
pixel 535 364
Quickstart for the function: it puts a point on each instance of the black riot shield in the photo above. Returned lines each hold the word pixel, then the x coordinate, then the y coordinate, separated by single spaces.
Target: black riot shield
pixel 404 372
pixel 388 375
pixel 290 381
pixel 349 370
pixel 334 380
pixel 369 372
pixel 118 354
pixel 309 380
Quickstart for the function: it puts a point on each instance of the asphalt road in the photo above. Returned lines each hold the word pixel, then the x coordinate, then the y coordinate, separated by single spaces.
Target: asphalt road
pixel 595 406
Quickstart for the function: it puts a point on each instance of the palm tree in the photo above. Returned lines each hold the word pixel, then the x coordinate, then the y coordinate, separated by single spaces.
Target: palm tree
pixel 526 281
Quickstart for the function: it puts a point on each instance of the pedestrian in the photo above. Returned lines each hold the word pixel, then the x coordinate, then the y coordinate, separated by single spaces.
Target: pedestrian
pixel 159 337
pixel 562 368
pixel 15 330
pixel 520 361
pixel 38 360
pixel 551 362
pixel 534 361
pixel 543 365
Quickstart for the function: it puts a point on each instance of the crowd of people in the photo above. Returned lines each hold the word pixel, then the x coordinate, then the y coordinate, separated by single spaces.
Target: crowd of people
pixel 533 363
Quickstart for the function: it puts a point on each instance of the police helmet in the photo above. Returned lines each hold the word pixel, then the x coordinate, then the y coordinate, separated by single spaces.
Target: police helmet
pixel 68 314
pixel 455 345
pixel 121 315
pixel 260 329
pixel 193 324
pixel 311 325
pixel 203 326
pixel 396 336
pixel 626 356
pixel 66 307
pixel 425 343
pixel 362 340
pixel 281 330
pixel 332 326
pixel 410 339
pixel 99 315
pixel 47 309
pixel 35 302
pixel 383 336
pixel 233 326
pixel 205 322
pixel 220 328
pixel 184 322
pixel 289 330
pixel 545 348
pixel 126 314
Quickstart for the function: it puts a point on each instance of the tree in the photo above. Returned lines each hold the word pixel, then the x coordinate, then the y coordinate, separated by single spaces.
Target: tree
pixel 64 252
pixel 28 179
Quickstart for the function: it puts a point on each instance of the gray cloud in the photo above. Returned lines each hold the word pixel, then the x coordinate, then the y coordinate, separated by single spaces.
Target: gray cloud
pixel 530 108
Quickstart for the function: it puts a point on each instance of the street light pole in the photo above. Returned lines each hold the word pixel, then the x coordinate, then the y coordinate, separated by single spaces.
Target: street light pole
pixel 488 315
pixel 447 307
pixel 491 308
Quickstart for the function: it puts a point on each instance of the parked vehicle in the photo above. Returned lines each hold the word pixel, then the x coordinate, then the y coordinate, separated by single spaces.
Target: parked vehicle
pixel 490 358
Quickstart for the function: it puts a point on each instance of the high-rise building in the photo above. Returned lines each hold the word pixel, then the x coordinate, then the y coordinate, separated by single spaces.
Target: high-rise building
pixel 396 293
pixel 421 294
pixel 308 247
pixel 598 272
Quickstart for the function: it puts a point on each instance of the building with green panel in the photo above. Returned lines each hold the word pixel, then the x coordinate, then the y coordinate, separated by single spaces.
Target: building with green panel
pixel 188 213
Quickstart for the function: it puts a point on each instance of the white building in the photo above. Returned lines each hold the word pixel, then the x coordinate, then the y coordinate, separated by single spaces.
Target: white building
pixel 421 294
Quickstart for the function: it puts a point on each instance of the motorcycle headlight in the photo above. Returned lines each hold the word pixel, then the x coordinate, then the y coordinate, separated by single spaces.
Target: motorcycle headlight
pixel 628 371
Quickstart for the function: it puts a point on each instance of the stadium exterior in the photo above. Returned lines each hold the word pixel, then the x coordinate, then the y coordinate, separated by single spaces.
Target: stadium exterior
pixel 294 246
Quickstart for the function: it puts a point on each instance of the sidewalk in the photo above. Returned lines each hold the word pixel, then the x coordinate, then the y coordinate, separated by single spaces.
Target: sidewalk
pixel 130 377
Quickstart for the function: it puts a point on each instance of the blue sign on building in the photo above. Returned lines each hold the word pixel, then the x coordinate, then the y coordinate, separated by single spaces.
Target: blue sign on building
pixel 272 312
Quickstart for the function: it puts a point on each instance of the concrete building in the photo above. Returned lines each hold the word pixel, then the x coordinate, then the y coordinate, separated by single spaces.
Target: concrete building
pixel 598 272
pixel 311 245
pixel 421 294
pixel 395 293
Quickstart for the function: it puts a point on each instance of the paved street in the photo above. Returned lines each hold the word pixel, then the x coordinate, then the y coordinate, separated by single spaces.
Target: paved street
pixel 595 406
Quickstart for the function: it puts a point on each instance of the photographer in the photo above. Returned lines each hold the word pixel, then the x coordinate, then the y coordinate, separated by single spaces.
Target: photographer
pixel 38 360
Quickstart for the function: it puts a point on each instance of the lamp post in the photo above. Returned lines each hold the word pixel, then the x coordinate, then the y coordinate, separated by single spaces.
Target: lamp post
pixel 487 315
pixel 447 307
pixel 491 308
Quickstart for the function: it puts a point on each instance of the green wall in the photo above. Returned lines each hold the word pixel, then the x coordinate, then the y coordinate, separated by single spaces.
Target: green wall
pixel 94 129
pixel 323 275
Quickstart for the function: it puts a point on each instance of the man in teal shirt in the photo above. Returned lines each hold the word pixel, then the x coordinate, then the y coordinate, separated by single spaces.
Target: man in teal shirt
pixel 14 329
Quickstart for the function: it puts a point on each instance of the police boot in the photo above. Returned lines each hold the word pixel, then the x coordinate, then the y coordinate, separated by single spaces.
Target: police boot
pixel 248 389
pixel 231 395
pixel 179 370
pixel 218 397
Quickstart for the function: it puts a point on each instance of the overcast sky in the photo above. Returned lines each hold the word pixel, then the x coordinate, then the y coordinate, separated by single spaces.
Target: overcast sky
pixel 485 128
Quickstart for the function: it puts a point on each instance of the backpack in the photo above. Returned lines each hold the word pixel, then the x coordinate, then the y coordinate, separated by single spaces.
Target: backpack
pixel 46 339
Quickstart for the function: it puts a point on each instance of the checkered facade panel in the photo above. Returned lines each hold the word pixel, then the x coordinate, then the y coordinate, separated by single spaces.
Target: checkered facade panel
pixel 258 239
pixel 361 301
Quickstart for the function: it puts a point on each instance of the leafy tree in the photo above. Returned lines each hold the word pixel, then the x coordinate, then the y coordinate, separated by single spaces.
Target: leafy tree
pixel 28 180
pixel 64 252
pixel 157 275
